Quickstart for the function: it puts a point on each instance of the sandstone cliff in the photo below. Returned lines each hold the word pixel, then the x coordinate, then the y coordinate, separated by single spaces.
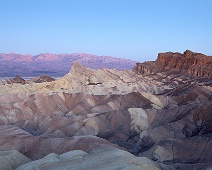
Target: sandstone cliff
pixel 144 68
pixel 188 63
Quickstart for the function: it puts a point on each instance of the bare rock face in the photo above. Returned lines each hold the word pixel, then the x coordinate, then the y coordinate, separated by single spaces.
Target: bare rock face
pixel 155 111
pixel 98 82
pixel 144 68
pixel 19 80
pixel 16 79
pixel 41 79
pixel 193 64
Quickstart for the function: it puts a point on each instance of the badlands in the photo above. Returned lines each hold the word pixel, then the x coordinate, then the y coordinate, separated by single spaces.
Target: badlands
pixel 156 116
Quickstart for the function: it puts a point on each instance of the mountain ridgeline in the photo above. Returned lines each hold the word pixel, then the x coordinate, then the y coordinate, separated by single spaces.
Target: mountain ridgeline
pixel 56 64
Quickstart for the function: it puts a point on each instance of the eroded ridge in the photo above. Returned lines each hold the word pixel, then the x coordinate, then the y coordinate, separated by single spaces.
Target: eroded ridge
pixel 163 119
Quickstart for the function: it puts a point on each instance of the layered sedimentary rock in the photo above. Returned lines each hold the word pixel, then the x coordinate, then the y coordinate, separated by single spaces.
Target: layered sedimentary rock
pixel 16 79
pixel 82 79
pixel 41 79
pixel 144 68
pixel 163 118
pixel 67 115
pixel 193 64
pixel 20 80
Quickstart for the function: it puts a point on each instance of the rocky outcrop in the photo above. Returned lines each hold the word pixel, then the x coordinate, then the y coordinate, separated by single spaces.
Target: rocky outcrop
pixel 195 64
pixel 144 68
pixel 20 80
pixel 164 116
pixel 41 79
pixel 101 82
pixel 16 79
pixel 188 63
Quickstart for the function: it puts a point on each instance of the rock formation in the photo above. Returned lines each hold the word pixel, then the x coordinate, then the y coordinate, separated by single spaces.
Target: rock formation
pixel 41 79
pixel 96 119
pixel 193 64
pixel 20 80
pixel 144 68
pixel 16 79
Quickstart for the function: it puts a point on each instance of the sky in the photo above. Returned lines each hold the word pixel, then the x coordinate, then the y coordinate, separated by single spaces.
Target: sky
pixel 132 29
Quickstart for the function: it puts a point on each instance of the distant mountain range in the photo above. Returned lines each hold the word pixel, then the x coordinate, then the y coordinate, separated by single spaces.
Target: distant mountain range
pixel 56 64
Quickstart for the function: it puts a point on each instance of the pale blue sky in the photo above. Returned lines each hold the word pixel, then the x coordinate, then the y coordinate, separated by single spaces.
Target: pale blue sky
pixel 134 29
